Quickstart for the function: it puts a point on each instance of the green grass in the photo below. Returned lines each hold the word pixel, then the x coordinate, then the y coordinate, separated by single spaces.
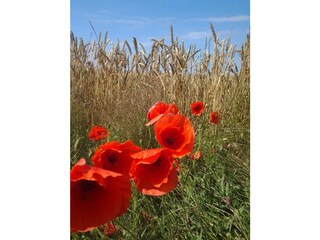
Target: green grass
pixel 211 200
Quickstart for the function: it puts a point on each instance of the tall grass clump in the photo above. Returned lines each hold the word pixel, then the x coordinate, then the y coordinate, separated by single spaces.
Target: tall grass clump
pixel 114 85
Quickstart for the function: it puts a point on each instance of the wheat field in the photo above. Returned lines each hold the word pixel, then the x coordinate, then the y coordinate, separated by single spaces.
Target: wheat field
pixel 114 85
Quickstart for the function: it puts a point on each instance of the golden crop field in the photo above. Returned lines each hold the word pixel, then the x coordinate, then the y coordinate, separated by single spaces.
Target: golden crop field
pixel 115 84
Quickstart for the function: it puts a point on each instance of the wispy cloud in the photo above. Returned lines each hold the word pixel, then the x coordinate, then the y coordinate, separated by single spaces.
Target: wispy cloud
pixel 104 11
pixel 134 22
pixel 141 22
pixel 240 18
pixel 138 22
pixel 194 35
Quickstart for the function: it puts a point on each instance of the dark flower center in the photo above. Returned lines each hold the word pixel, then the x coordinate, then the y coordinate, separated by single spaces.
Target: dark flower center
pixel 113 158
pixel 86 187
pixel 170 140
pixel 172 137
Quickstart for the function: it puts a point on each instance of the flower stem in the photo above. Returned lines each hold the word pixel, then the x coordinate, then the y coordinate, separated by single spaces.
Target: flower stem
pixel 100 233
pixel 122 226
pixel 149 143
pixel 199 137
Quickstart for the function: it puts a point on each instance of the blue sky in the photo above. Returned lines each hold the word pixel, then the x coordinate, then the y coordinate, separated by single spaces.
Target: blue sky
pixel 146 20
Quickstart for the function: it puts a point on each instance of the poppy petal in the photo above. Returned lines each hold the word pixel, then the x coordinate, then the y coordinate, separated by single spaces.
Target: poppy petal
pixel 214 117
pixel 175 132
pixel 96 196
pixel 115 156
pixel 170 185
pixel 197 108
pixel 158 110
pixel 97 133
pixel 153 171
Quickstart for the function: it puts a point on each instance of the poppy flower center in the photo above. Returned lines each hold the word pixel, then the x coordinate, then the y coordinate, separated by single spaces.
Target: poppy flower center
pixel 86 188
pixel 170 140
pixel 113 158
pixel 172 137
pixel 109 157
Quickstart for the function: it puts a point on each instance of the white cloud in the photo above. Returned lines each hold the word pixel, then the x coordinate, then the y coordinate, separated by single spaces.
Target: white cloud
pixel 240 18
pixel 104 11
pixel 134 22
pixel 196 35
pixel 140 22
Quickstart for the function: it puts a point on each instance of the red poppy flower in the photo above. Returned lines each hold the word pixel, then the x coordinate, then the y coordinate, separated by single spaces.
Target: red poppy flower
pixel 197 108
pixel 97 196
pixel 115 156
pixel 176 133
pixel 196 155
pixel 160 109
pixel 98 133
pixel 214 117
pixel 153 171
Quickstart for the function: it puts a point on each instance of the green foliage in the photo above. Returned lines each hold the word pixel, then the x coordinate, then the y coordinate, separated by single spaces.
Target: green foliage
pixel 211 200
